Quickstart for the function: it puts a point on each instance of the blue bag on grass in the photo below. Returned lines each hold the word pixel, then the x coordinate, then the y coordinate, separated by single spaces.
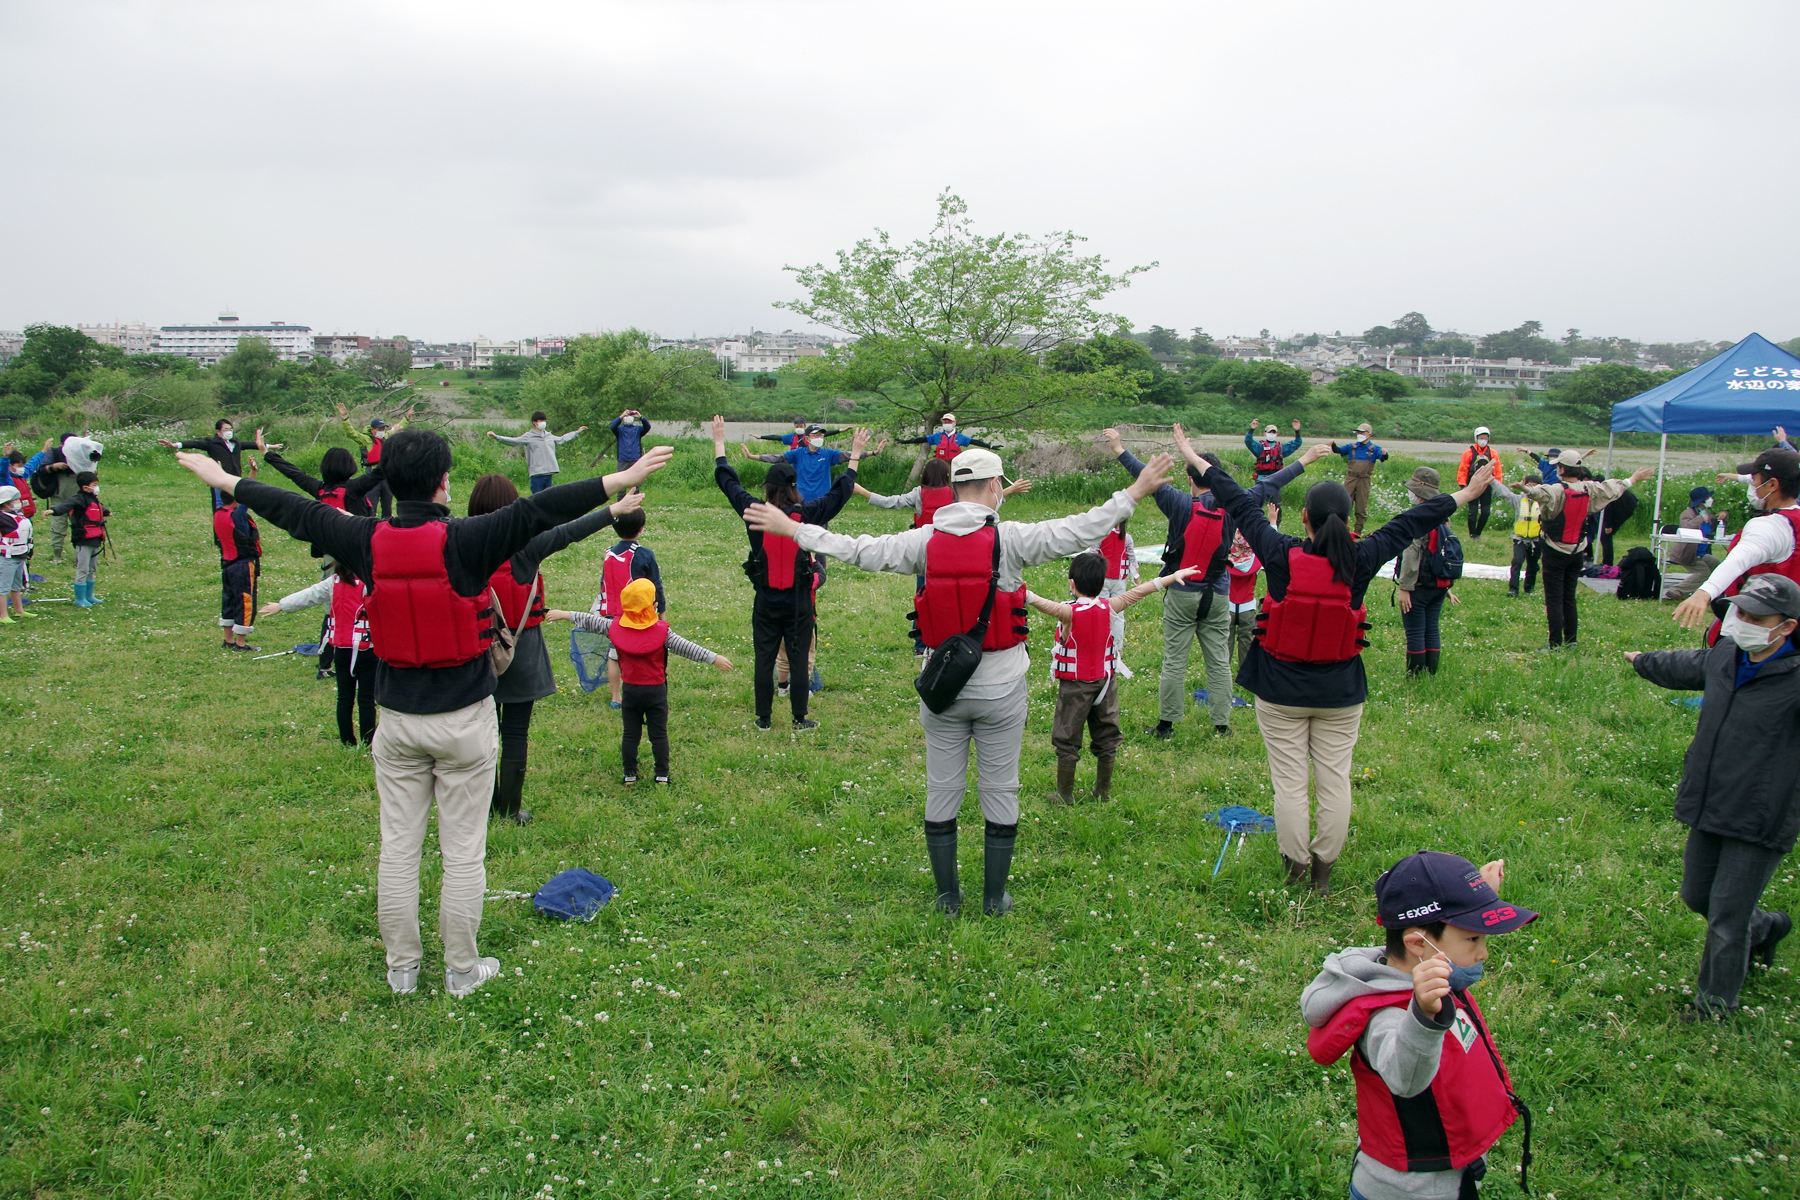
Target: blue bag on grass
pixel 574 894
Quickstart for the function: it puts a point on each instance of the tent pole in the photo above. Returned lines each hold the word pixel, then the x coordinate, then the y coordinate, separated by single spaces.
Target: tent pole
pixel 1609 447
pixel 1662 460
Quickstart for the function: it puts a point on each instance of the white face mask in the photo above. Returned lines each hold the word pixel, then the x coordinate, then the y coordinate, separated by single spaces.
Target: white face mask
pixel 1749 637
pixel 94 491
pixel 815 442
pixel 541 424
pixel 1362 437
pixel 1482 440
pixel 1759 501
pixel 226 434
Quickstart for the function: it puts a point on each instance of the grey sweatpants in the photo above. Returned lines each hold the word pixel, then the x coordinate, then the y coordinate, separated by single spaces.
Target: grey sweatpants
pixel 1722 879
pixel 996 728
pixel 1180 627
pixel 86 559
pixel 420 758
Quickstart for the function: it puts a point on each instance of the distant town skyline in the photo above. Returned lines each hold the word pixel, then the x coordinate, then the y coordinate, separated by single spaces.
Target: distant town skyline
pixel 436 171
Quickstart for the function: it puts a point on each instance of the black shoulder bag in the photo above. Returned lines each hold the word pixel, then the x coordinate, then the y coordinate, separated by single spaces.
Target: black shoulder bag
pixel 951 664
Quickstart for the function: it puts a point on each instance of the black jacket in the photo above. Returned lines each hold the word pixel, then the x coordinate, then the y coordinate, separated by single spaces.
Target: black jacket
pixel 811 512
pixel 356 488
pixel 1741 777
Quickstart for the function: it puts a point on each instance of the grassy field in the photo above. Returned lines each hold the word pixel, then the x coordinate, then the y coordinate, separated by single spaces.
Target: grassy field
pixel 192 1004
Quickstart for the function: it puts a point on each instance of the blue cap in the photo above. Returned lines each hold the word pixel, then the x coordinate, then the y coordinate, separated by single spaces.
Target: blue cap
pixel 1431 886
pixel 1699 496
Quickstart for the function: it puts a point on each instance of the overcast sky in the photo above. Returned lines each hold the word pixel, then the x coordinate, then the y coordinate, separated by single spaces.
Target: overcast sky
pixel 445 169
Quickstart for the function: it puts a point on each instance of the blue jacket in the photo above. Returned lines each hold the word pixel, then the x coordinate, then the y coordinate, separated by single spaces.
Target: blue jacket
pixel 1360 451
pixel 631 438
pixel 814 469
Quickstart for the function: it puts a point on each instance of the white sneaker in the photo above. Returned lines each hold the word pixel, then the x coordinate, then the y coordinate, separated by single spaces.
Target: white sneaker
pixel 458 983
pixel 404 980
pixel 781 687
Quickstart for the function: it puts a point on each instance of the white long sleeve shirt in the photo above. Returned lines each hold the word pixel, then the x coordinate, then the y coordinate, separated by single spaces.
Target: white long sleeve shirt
pixel 1021 546
pixel 309 597
pixel 1765 539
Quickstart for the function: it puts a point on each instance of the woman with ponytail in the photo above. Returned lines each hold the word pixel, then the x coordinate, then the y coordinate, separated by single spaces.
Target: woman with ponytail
pixel 1305 666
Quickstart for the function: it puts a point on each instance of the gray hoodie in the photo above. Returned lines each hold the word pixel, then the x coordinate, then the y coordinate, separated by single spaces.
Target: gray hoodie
pixel 1021 545
pixel 1402 1045
pixel 540 448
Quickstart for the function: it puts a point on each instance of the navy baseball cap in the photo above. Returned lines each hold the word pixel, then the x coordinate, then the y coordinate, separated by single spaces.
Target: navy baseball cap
pixel 782 473
pixel 1430 886
pixel 378 423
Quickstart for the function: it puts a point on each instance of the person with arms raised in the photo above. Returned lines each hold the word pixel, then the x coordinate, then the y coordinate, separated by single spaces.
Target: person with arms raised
pixel 945 442
pixel 1360 457
pixel 1305 667
pixel 540 449
pixel 430 622
pixel 967 554
pixel 1564 508
pixel 1769 544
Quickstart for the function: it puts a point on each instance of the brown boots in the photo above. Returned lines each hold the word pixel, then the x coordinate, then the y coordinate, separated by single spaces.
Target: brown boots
pixel 1103 769
pixel 1065 782
pixel 1318 874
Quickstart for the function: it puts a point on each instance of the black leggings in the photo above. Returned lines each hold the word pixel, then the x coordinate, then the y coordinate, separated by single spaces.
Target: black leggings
pixel 515 730
pixel 355 693
pixel 777 618
pixel 1480 509
pixel 1421 621
pixel 645 704
pixel 1526 552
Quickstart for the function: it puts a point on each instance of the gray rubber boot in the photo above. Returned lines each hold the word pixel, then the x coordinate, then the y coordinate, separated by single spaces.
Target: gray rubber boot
pixel 996 866
pixel 940 845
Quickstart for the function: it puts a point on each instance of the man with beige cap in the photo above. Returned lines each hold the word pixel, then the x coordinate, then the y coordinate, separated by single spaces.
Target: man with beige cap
pixel 1360 457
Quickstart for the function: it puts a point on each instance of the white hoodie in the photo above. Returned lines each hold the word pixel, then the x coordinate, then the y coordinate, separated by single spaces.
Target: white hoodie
pixel 1021 546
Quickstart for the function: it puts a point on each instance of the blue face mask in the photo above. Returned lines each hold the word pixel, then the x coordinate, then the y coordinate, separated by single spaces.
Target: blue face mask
pixel 1462 978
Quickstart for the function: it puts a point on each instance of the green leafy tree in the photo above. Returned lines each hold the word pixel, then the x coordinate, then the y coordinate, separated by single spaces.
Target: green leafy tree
pixel 598 377
pixel 56 361
pixel 509 366
pixel 1354 381
pixel 1389 385
pixel 1380 335
pixel 961 322
pixel 1266 381
pixel 1201 345
pixel 1108 352
pixel 1459 387
pixel 1592 391
pixel 1527 341
pixel 384 365
pixel 1521 392
pixel 1792 346
pixel 1164 341
pixel 1412 329
pixel 249 376
pixel 1452 344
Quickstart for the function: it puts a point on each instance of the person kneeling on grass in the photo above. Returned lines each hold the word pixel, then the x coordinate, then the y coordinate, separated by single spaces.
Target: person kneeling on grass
pixel 1740 785
pixel 1084 661
pixel 1432 1096
pixel 643 642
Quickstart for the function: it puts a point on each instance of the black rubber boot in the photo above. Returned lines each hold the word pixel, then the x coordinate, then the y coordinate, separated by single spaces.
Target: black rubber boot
pixel 1065 784
pixel 1103 769
pixel 509 792
pixel 1321 876
pixel 940 846
pixel 1431 661
pixel 1415 663
pixel 1296 871
pixel 995 867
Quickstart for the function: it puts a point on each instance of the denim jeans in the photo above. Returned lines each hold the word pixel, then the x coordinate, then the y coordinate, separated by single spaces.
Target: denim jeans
pixel 540 482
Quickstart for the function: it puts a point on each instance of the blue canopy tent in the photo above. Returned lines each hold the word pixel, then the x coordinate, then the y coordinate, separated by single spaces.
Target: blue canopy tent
pixel 1749 389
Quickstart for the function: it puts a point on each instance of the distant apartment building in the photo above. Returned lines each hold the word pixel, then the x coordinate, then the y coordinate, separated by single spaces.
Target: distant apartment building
pixel 545 347
pixel 1489 373
pixel 483 351
pixel 209 343
pixel 338 347
pixel 133 338
pixel 11 342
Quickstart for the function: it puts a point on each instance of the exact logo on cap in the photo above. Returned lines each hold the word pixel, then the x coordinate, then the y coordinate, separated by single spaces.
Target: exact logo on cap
pixel 1447 888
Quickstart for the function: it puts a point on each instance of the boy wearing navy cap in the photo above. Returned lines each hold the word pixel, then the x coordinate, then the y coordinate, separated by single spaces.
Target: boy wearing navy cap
pixel 1432 1096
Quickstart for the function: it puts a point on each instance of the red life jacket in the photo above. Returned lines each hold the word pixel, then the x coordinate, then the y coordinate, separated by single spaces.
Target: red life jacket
pixel 643 653
pixel 615 573
pixel 1084 647
pixel 94 516
pixel 25 494
pixel 512 598
pixel 1313 622
pixel 1268 458
pixel 225 534
pixel 947 448
pixel 782 564
pixel 334 497
pixel 1789 566
pixel 958 570
pixel 1112 549
pixel 1243 583
pixel 1570 520
pixel 930 500
pixel 416 619
pixel 1204 534
pixel 349 628
pixel 1447 1126
pixel 372 455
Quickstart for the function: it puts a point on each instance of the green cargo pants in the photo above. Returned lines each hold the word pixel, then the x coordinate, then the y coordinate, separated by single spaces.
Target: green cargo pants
pixel 1181 625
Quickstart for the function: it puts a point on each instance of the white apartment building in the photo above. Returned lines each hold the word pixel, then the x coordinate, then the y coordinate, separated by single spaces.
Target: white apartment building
pixel 133 338
pixel 1491 373
pixel 482 351
pixel 11 342
pixel 210 343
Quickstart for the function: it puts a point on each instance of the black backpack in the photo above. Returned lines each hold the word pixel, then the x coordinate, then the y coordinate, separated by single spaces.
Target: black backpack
pixel 1638 576
pixel 44 483
pixel 1443 557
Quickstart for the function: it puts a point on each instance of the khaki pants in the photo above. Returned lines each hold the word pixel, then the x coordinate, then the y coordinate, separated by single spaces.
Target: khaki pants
pixel 1322 739
pixel 1698 572
pixel 1356 482
pixel 1181 627
pixel 449 758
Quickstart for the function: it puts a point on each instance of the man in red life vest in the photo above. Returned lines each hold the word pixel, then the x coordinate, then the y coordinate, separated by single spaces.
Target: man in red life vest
pixel 1565 506
pixel 1432 1095
pixel 1084 660
pixel 427 576
pixel 1769 543
pixel 945 442
pixel 956 555
pixel 240 555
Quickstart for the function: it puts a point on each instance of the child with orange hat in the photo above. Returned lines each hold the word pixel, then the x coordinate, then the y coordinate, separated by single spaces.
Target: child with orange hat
pixel 643 642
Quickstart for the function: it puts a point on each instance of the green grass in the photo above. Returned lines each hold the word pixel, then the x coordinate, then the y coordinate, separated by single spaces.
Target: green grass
pixel 192 1004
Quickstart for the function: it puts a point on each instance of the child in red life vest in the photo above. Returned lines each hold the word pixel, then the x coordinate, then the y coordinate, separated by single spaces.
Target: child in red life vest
pixel 643 642
pixel 15 554
pixel 346 640
pixel 1241 570
pixel 240 555
pixel 1432 1095
pixel 1119 553
pixel 626 561
pixel 1083 661
pixel 87 533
